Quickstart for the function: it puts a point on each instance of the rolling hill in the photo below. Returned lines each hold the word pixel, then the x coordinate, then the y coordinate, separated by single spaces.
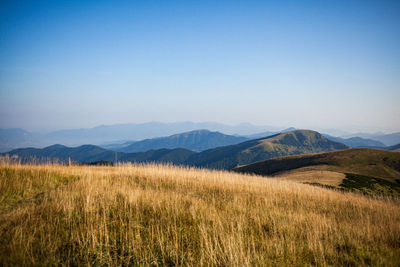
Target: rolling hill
pixel 197 140
pixel 282 144
pixel 369 171
pixel 362 161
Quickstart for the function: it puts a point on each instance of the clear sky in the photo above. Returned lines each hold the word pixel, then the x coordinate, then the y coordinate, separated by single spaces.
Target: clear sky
pixel 67 64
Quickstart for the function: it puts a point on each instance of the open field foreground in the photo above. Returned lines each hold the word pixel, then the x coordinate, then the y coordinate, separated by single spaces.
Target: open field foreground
pixel 165 215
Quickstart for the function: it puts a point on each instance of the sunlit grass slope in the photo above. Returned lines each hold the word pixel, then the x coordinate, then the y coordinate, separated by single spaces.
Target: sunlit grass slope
pixel 165 215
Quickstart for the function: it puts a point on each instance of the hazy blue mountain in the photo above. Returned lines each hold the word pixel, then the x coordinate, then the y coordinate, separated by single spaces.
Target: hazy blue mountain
pixel 144 131
pixel 79 154
pixel 356 142
pixel 91 153
pixel 331 131
pixel 197 140
pixel 16 138
pixel 386 139
pixel 107 135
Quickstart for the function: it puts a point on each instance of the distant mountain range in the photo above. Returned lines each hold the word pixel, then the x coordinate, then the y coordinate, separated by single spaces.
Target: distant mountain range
pixel 198 140
pixel 387 139
pixel 357 142
pixel 91 153
pixel 288 143
pixel 17 138
pixel 155 135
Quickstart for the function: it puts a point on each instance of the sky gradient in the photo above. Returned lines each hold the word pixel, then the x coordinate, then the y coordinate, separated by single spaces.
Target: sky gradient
pixel 65 64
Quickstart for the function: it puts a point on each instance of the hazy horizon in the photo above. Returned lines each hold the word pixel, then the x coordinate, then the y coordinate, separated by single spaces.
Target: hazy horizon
pixel 310 65
pixel 344 131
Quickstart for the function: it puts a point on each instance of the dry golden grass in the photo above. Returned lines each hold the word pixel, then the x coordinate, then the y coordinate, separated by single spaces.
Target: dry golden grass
pixel 310 175
pixel 166 215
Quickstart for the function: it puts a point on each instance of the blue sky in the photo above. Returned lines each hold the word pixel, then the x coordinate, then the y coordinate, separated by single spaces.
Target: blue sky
pixel 332 64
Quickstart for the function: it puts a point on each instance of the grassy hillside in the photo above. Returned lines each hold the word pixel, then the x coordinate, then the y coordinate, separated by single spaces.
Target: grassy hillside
pixel 338 168
pixel 363 161
pixel 283 144
pixel 164 215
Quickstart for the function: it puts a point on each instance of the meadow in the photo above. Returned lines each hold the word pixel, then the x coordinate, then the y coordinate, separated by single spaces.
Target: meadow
pixel 163 215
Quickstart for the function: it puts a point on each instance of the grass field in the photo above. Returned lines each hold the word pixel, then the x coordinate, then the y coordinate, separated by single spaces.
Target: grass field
pixel 166 215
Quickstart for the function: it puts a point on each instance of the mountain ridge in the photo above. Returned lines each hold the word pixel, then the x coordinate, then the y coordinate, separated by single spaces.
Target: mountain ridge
pixel 356 142
pixel 197 140
pixel 102 135
pixel 116 132
pixel 225 157
pixel 286 143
